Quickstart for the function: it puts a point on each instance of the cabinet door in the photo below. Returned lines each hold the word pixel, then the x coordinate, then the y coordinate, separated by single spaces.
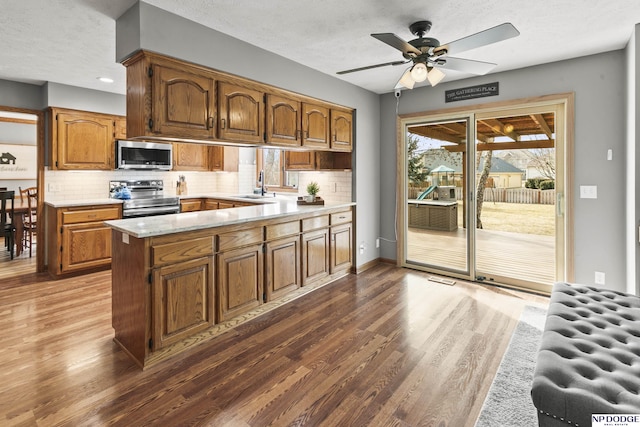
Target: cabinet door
pixel 282 267
pixel 84 141
pixel 183 103
pixel 315 126
pixel 315 255
pixel 190 205
pixel 223 158
pixel 241 113
pixel 299 160
pixel 85 245
pixel 240 285
pixel 283 121
pixel 341 131
pixel 190 157
pixel 183 300
pixel 341 248
pixel 210 205
pixel 121 127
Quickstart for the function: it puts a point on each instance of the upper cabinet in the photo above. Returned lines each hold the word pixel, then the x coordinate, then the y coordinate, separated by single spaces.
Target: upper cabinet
pixel 315 126
pixel 190 157
pixel 81 140
pixel 284 120
pixel 183 103
pixel 341 130
pixel 241 113
pixel 172 99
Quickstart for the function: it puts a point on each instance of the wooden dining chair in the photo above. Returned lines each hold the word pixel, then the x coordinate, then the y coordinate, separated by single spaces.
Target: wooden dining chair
pixel 30 220
pixel 7 228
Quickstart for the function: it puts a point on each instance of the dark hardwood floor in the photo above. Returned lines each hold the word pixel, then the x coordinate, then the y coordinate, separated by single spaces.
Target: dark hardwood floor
pixel 385 348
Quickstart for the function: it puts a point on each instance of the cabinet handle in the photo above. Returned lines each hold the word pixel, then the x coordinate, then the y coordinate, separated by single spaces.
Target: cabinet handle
pixel 298 134
pixel 223 123
pixel 91 216
pixel 209 122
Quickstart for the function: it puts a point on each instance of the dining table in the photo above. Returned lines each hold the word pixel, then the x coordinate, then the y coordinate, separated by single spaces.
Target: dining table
pixel 20 210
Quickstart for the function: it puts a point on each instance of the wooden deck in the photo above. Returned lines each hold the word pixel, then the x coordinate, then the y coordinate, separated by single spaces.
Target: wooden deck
pixel 525 257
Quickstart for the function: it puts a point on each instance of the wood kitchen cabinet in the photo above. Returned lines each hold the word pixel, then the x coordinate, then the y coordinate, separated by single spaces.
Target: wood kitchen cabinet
pixel 341 130
pixel 190 205
pixel 190 157
pixel 81 242
pixel 315 249
pixel 120 127
pixel 183 299
pixel 316 160
pixel 81 140
pixel 183 102
pixel 241 113
pixel 223 158
pixel 282 259
pixel 315 126
pixel 239 272
pixel 284 117
pixel 341 242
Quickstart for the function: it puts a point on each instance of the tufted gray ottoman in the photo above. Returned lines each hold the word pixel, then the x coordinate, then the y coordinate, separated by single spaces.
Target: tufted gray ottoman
pixel 589 359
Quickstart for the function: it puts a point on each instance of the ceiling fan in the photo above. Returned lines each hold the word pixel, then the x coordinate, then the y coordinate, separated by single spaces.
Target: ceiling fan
pixel 429 56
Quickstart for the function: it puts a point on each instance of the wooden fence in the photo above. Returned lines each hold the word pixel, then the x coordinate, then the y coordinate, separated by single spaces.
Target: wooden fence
pixel 505 195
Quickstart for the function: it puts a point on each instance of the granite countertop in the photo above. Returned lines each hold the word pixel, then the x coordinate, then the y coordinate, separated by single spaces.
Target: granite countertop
pixel 189 221
pixel 83 202
pixel 257 199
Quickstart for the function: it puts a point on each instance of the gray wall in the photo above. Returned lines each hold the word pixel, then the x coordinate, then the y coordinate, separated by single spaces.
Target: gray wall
pixel 77 98
pixel 599 86
pixel 147 27
pixel 632 157
pixel 20 95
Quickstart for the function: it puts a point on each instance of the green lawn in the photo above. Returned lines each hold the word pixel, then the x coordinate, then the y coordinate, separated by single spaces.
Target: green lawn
pixel 517 218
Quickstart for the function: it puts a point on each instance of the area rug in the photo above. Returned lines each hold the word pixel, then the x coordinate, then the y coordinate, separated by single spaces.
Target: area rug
pixel 508 403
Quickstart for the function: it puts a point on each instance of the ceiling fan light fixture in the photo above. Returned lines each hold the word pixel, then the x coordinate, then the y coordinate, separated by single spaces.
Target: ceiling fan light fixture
pixel 406 80
pixel 435 76
pixel 419 72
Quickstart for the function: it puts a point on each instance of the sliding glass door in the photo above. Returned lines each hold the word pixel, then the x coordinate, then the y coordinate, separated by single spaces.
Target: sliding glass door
pixel 492 210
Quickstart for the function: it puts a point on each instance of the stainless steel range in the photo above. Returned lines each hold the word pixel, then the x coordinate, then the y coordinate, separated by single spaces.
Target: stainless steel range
pixel 143 198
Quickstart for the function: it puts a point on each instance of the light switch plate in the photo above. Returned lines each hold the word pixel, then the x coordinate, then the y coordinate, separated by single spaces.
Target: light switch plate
pixel 588 191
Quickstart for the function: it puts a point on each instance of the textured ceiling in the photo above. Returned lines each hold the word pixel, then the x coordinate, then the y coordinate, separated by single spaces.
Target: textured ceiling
pixel 73 41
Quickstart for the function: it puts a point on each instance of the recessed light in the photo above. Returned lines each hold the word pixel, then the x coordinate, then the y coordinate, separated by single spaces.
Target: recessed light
pixel 105 79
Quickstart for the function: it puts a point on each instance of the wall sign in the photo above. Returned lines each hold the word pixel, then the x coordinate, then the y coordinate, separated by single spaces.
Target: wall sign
pixel 478 91
pixel 18 161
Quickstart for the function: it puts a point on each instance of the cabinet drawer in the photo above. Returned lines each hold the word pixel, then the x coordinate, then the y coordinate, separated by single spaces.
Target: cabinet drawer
pixel 171 253
pixel 91 215
pixel 237 239
pixel 281 230
pixel 190 205
pixel 316 222
pixel 341 217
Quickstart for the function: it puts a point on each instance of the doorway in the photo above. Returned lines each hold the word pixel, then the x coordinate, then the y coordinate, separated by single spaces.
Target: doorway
pixel 490 211
pixel 22 167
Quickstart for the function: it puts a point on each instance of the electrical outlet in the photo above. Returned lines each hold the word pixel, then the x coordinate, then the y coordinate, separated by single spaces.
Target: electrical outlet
pixel 334 187
pixel 377 243
pixel 599 278
pixel 362 249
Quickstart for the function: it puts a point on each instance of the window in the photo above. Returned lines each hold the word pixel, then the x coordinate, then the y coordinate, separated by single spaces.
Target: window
pixel 271 161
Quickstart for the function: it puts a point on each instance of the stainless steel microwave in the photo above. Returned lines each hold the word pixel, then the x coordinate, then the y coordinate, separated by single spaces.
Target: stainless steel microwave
pixel 143 155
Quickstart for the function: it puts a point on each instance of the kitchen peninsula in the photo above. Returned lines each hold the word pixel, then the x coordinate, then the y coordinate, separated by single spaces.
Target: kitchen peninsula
pixel 181 279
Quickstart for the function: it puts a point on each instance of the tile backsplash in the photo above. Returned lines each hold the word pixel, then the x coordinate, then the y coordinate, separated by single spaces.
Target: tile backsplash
pixel 335 186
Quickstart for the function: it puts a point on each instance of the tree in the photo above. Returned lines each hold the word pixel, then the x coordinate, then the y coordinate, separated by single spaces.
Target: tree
pixel 415 169
pixel 482 183
pixel 544 160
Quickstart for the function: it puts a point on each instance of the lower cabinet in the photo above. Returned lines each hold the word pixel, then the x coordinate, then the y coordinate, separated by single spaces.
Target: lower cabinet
pixel 190 205
pixel 183 300
pixel 341 248
pixel 282 267
pixel 168 289
pixel 82 242
pixel 315 255
pixel 240 287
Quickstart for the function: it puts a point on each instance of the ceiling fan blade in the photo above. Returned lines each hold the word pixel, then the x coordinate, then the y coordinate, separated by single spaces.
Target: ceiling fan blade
pixel 395 41
pixel 467 65
pixel 492 35
pixel 368 67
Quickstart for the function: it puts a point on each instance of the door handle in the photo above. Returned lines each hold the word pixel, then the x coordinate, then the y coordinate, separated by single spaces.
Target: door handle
pixel 222 122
